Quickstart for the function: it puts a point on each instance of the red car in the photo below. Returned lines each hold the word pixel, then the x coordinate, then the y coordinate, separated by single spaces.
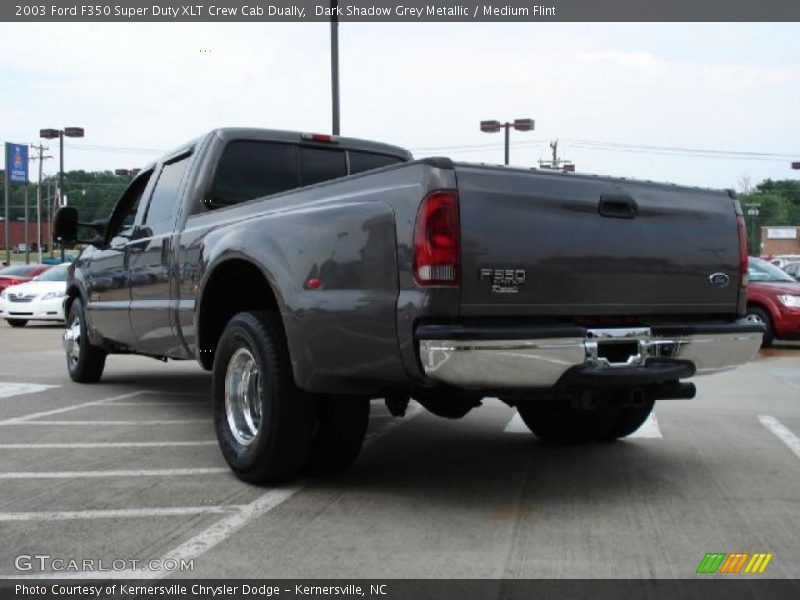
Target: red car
pixel 773 297
pixel 16 274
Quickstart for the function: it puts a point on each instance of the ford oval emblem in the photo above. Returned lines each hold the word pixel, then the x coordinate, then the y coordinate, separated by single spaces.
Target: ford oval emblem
pixel 719 280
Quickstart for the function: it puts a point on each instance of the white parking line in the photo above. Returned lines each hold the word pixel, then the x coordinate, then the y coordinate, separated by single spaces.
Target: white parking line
pixel 123 513
pixel 780 431
pixel 649 429
pixel 10 388
pixel 90 445
pixel 63 423
pixel 516 425
pixel 56 411
pixel 219 531
pixel 119 473
pixel 164 403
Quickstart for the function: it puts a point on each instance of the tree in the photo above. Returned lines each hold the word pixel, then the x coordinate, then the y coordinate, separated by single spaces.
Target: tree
pixel 779 204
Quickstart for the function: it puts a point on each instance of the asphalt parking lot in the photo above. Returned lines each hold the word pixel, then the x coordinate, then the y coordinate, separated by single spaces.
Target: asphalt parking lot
pixel 128 469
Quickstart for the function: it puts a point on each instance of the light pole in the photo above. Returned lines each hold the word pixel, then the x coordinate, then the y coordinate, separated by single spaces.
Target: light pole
pixel 335 67
pixel 518 124
pixel 51 134
pixel 753 212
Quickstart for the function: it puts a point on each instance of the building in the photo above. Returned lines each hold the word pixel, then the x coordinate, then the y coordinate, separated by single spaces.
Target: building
pixel 777 240
pixel 17 233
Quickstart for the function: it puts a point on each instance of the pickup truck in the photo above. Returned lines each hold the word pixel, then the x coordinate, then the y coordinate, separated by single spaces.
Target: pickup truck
pixel 313 273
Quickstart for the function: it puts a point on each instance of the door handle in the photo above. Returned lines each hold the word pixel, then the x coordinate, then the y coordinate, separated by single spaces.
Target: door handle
pixel 617 206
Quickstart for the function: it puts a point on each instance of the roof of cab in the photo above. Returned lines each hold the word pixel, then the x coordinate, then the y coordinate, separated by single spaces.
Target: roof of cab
pixel 278 135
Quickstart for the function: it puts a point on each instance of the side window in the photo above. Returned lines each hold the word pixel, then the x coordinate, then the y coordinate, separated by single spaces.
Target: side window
pixel 249 169
pixel 321 164
pixel 124 215
pixel 163 205
pixel 366 161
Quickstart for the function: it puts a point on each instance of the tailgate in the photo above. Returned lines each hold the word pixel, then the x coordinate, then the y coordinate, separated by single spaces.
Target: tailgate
pixel 536 243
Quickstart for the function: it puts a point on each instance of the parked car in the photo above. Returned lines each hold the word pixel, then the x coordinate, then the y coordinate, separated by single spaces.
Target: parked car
pixel 793 270
pixel 16 274
pixel 312 273
pixel 783 259
pixel 41 299
pixel 773 298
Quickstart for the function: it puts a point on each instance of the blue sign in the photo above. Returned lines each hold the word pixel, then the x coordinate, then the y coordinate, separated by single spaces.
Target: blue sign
pixel 17 163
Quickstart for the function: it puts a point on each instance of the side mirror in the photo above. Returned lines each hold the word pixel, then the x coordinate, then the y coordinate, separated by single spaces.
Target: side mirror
pixel 65 224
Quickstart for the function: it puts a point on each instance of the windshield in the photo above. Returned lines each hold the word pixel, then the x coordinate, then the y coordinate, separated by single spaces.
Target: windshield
pixel 58 273
pixel 18 270
pixel 761 270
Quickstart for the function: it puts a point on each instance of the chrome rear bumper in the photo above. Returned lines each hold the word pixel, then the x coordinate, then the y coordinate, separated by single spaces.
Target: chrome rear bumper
pixel 491 358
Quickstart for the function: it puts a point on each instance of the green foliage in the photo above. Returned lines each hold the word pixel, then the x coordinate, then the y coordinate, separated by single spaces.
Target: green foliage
pixel 779 205
pixel 93 193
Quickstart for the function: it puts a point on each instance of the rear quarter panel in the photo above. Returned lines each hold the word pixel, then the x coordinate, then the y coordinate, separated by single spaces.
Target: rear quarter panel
pixel 354 235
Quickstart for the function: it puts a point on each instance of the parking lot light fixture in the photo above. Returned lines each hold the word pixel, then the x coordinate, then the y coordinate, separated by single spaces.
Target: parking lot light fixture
pixel 493 126
pixel 60 133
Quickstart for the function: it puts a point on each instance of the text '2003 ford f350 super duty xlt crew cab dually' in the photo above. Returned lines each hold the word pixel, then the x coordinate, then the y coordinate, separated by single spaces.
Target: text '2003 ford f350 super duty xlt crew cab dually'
pixel 313 273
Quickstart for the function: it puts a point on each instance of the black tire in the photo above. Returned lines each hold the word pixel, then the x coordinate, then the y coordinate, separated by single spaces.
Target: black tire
pixel 762 315
pixel 340 427
pixel 629 419
pixel 281 443
pixel 17 322
pixel 558 423
pixel 88 365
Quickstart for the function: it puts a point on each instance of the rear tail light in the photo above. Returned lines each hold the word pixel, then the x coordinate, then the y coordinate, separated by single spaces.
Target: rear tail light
pixel 436 240
pixel 742 251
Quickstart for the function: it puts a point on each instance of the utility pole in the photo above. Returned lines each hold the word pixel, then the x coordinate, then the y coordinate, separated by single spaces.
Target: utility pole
pixel 27 241
pixel 41 158
pixel 555 163
pixel 50 221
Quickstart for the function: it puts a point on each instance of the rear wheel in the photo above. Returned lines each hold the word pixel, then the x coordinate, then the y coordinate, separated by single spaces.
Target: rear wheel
pixel 558 422
pixel 17 322
pixel 758 314
pixel 263 421
pixel 85 362
pixel 339 430
pixel 628 420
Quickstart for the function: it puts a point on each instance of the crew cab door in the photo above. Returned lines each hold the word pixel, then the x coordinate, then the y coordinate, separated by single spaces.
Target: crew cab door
pixel 106 273
pixel 151 262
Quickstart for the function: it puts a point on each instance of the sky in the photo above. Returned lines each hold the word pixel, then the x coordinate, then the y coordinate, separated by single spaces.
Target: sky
pixel 620 98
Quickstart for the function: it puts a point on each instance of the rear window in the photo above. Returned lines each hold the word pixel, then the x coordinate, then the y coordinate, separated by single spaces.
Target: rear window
pixel 249 170
pixel 252 169
pixel 321 164
pixel 365 161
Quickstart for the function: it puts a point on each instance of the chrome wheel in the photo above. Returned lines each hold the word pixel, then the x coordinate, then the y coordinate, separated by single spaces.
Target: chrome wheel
pixel 243 392
pixel 755 317
pixel 72 341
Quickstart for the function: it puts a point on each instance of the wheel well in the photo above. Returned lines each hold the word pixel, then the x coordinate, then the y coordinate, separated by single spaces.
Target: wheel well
pixel 72 293
pixel 761 306
pixel 235 286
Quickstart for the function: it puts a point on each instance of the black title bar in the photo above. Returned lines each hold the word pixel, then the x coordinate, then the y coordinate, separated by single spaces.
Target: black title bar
pixel 92 11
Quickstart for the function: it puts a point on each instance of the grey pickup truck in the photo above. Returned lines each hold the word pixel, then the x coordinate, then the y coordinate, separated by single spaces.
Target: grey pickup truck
pixel 312 273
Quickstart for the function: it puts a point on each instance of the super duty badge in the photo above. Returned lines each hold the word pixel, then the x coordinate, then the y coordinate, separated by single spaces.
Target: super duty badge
pixel 504 281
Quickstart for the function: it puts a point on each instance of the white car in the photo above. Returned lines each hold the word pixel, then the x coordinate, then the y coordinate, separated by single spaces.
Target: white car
pixel 40 299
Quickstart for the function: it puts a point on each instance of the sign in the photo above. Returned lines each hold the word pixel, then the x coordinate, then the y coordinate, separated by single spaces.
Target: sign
pixel 781 233
pixel 17 163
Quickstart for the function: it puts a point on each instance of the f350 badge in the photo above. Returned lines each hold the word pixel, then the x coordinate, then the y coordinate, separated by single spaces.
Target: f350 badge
pixel 504 281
